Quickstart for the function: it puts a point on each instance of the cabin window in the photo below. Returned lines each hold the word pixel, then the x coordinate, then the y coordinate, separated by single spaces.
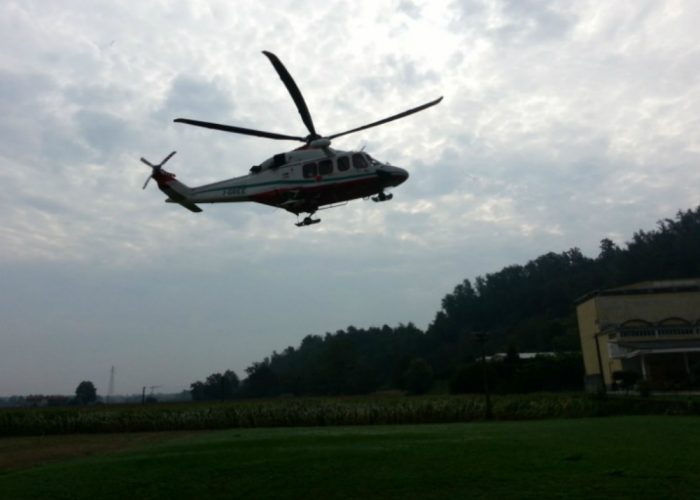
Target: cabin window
pixel 309 170
pixel 343 163
pixel 325 167
pixel 358 159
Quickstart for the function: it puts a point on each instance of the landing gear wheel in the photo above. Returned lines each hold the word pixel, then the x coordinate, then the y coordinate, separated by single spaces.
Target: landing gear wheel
pixel 382 196
pixel 307 222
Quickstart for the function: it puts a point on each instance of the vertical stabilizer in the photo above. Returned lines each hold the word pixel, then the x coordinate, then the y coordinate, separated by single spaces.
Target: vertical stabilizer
pixel 177 192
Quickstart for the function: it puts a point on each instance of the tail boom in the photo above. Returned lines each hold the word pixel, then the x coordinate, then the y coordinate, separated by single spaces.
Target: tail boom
pixel 177 192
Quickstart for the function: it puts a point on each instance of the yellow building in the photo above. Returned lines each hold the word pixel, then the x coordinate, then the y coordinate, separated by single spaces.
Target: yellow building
pixel 651 328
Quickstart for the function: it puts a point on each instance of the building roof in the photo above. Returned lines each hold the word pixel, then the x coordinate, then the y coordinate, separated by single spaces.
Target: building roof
pixel 646 288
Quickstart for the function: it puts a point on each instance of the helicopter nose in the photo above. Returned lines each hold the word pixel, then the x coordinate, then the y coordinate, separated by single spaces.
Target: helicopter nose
pixel 392 176
pixel 401 174
pixel 398 175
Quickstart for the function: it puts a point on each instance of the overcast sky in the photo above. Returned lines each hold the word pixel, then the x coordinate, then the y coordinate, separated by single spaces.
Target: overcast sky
pixel 563 122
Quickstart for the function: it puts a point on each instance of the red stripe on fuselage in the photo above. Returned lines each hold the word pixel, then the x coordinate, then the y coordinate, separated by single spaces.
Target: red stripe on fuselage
pixel 312 197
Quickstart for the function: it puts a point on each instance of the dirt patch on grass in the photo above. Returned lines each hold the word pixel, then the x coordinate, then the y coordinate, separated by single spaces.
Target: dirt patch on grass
pixel 24 452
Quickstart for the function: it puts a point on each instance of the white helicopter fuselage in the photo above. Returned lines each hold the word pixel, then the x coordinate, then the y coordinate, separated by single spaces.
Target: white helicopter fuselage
pixel 303 180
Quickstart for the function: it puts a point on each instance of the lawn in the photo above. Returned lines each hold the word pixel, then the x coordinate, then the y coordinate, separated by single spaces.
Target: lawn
pixel 615 457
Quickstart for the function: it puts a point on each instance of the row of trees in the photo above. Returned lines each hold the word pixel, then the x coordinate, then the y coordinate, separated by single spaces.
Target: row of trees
pixel 560 372
pixel 85 394
pixel 546 372
pixel 217 386
pixel 527 307
pixel 347 362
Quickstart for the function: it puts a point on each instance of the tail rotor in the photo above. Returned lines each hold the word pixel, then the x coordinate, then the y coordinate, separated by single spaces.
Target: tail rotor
pixel 155 169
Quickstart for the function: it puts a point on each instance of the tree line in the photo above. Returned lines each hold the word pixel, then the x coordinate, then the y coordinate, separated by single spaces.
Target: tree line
pixel 521 308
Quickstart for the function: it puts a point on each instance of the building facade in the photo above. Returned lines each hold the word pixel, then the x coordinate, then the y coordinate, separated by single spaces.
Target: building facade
pixel 651 329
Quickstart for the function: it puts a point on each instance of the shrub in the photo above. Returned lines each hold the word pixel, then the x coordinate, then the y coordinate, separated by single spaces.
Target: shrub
pixel 625 379
pixel 418 377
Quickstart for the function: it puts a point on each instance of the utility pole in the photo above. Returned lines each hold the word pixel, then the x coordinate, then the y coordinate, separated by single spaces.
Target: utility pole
pixel 481 338
pixel 110 391
pixel 143 392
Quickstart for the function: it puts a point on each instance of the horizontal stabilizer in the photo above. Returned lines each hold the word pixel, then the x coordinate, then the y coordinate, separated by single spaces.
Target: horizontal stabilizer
pixel 187 204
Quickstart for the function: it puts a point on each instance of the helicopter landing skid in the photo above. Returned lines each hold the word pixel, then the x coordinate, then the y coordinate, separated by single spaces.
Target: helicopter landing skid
pixel 382 196
pixel 307 222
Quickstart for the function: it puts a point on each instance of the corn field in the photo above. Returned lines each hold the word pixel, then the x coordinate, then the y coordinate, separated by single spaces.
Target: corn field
pixel 297 412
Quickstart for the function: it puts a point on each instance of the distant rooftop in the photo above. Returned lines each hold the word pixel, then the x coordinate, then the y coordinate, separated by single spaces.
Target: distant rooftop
pixel 651 286
pixel 646 287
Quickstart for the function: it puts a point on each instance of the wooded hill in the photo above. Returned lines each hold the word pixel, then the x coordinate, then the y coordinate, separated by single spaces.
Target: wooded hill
pixel 522 308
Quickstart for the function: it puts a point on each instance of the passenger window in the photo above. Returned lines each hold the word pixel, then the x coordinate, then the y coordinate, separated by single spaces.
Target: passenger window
pixel 325 167
pixel 359 161
pixel 309 170
pixel 343 163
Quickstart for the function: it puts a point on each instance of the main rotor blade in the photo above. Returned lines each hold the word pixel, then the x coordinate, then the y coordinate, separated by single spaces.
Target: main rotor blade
pixel 391 118
pixel 293 91
pixel 240 130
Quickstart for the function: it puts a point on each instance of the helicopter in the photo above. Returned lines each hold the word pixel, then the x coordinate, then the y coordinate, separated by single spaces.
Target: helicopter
pixel 302 181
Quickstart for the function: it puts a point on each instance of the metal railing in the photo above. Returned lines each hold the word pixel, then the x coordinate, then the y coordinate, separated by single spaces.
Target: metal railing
pixel 658 331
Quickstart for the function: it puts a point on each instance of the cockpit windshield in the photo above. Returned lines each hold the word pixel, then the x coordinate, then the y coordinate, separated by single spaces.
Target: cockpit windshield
pixel 372 160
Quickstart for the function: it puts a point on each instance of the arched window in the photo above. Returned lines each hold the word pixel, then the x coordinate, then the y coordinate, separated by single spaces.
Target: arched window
pixel 637 328
pixel 636 323
pixel 674 321
pixel 675 326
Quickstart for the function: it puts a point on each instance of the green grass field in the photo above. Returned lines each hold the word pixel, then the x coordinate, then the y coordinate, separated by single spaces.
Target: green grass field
pixel 614 457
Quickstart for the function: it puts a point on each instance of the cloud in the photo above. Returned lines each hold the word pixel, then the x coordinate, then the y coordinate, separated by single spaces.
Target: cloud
pixel 196 97
pixel 104 132
pixel 563 122
pixel 530 21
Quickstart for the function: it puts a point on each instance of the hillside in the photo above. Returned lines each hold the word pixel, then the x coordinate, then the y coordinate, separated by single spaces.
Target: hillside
pixel 528 307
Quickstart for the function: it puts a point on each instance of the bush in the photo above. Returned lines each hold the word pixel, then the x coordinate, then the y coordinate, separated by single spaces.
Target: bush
pixel 625 379
pixel 418 377
pixel 644 388
pixel 563 372
pixel 467 379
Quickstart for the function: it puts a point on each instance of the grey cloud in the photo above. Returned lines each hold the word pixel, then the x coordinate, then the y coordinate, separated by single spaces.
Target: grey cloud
pixel 406 71
pixel 21 90
pixel 104 132
pixel 32 124
pixel 87 95
pixel 397 72
pixel 196 98
pixel 534 21
pixel 409 8
pixel 48 204
pixel 448 173
pixel 22 116
pixel 466 12
pixel 520 20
